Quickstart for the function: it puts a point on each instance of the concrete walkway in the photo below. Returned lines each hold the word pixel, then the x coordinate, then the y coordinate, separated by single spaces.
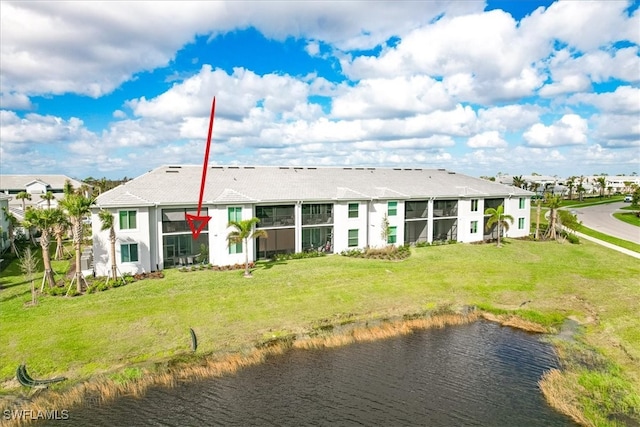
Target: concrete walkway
pixel 609 245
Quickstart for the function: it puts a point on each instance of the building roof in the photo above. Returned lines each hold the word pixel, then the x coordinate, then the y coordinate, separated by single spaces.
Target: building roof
pixel 180 185
pixel 20 182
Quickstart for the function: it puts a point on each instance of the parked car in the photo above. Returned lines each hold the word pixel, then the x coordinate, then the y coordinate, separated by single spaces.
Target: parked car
pixel 628 199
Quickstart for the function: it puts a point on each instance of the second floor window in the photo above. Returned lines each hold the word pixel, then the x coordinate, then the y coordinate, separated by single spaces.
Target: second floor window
pixel 128 220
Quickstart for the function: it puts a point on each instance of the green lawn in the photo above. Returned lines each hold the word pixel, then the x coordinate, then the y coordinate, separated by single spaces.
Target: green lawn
pixel 628 217
pixel 591 201
pixel 149 320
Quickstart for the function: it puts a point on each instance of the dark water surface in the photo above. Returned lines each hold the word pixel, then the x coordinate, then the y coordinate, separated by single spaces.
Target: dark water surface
pixel 480 374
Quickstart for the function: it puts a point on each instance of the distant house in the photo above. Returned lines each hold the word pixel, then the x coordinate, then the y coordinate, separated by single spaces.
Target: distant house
pixel 329 209
pixel 4 224
pixel 36 186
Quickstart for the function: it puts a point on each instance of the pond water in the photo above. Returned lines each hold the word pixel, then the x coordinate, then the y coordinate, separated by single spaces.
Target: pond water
pixel 480 374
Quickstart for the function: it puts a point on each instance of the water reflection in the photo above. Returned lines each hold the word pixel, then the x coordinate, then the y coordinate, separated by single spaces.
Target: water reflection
pixel 480 374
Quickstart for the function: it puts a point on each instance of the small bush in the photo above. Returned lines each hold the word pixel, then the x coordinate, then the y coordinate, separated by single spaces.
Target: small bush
pixel 389 252
pixel 573 239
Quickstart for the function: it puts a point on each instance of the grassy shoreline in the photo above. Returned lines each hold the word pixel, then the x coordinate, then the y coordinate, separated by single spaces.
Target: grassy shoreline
pixel 117 334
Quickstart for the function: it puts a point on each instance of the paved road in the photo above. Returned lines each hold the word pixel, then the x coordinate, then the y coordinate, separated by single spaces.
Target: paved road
pixel 600 218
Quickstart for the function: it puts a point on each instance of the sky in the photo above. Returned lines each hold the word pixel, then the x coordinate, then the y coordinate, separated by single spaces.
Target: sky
pixel 115 89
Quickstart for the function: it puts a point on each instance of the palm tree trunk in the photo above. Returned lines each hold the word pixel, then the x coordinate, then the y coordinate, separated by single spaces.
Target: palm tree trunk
pixel 114 266
pixel 46 259
pixel 538 211
pixel 59 253
pixel 246 258
pixel 552 225
pixel 498 224
pixel 77 240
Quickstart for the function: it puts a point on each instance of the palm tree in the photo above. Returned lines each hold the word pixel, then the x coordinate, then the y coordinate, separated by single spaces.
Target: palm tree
pixel 59 230
pixel 518 181
pixel 243 231
pixel 553 201
pixel 43 220
pixel 498 217
pixel 538 212
pixel 77 206
pixel 106 218
pixel 580 187
pixel 571 183
pixel 23 195
pixel 12 224
pixel 602 184
pixel 48 196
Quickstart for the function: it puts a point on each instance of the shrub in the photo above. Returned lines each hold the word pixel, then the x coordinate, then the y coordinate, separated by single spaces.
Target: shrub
pixel 389 252
pixel 573 239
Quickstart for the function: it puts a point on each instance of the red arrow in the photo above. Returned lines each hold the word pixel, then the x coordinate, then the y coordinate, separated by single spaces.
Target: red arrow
pixel 198 222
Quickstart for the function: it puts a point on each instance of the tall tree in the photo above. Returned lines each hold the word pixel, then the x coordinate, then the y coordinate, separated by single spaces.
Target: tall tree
pixel 571 183
pixel 59 230
pixel 107 221
pixel 77 206
pixel 602 185
pixel 48 196
pixel 499 218
pixel 44 220
pixel 11 229
pixel 580 187
pixel 538 213
pixel 553 202
pixel 29 266
pixel 23 195
pixel 243 231
pixel 518 181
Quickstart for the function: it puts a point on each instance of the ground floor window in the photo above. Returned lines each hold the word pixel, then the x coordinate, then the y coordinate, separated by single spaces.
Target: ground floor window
pixel 280 241
pixel 181 249
pixel 520 223
pixel 353 238
pixel 129 252
pixel 393 235
pixel 415 231
pixel 235 248
pixel 474 227
pixel 445 229
pixel 317 238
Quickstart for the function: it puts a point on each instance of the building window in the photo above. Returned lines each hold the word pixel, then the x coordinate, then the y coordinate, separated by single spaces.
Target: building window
pixel 235 214
pixel 353 238
pixel 392 237
pixel 521 203
pixel 392 208
pixel 235 248
pixel 128 220
pixel 353 210
pixel 129 252
pixel 520 223
pixel 474 227
pixel 474 205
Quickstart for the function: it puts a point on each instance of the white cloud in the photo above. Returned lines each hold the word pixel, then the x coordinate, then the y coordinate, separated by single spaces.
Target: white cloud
pixel 571 129
pixel 490 139
pixel 583 25
pixel 394 97
pixel 91 48
pixel 568 84
pixel 624 100
pixel 480 57
pixel 509 118
pixel 617 130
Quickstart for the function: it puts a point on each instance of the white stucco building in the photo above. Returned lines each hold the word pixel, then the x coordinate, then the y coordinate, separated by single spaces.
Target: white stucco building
pixel 302 208
pixel 4 223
